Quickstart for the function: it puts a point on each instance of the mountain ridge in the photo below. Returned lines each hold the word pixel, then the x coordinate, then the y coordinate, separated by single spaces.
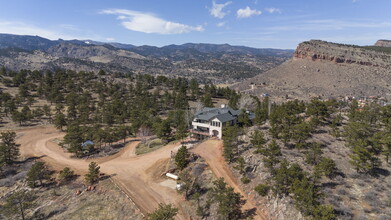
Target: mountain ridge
pixel 220 63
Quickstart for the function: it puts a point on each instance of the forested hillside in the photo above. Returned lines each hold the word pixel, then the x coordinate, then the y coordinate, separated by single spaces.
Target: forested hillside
pixel 219 63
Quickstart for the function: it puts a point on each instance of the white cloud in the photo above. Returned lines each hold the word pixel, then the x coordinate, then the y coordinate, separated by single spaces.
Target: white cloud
pixel 148 23
pixel 247 12
pixel 21 28
pixel 110 39
pixel 217 9
pixel 221 24
pixel 273 10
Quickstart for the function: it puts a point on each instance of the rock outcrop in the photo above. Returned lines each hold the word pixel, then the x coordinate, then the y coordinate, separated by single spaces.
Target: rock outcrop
pixel 317 50
pixel 327 70
pixel 383 43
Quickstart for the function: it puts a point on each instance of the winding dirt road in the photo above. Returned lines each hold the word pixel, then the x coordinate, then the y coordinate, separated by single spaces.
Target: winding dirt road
pixel 212 152
pixel 137 175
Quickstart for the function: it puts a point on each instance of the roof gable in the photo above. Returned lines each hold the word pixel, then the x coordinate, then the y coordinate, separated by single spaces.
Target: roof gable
pixel 222 114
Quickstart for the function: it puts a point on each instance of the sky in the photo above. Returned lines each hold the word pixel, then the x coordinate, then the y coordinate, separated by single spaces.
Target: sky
pixel 255 23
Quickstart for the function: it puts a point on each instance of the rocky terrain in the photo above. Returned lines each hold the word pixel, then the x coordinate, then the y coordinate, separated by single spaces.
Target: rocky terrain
pixel 383 43
pixel 326 69
pixel 219 63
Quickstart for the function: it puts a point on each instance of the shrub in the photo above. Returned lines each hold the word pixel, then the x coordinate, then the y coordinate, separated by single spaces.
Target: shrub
pixel 66 174
pixel 262 189
pixel 245 180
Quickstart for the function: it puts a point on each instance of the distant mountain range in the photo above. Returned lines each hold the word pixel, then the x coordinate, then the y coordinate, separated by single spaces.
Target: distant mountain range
pixel 217 62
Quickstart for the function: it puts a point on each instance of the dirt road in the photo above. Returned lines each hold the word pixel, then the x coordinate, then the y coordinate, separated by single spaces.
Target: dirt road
pixel 211 151
pixel 136 174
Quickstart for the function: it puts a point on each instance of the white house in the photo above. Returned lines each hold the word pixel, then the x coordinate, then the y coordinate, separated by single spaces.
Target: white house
pixel 209 122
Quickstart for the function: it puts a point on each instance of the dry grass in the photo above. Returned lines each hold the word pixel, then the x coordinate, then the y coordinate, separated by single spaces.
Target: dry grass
pixel 105 202
pixel 149 146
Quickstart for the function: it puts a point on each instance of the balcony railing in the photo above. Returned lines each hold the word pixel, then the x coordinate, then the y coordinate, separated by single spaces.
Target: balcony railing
pixel 205 133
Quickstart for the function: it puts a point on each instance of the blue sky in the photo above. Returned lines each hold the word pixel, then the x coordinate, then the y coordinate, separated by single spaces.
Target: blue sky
pixel 255 23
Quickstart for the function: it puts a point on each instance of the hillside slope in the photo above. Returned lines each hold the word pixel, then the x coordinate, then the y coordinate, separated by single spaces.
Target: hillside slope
pixel 326 69
pixel 220 63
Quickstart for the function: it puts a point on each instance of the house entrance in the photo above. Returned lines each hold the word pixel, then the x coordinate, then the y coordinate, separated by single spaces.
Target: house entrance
pixel 215 133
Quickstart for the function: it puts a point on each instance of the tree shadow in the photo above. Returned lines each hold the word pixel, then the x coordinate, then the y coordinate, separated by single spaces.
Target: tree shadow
pixel 377 172
pixel 30 159
pixel 250 213
pixel 330 185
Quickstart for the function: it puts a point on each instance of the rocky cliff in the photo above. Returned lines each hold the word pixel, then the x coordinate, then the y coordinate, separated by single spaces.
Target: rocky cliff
pixel 383 43
pixel 316 50
pixel 326 69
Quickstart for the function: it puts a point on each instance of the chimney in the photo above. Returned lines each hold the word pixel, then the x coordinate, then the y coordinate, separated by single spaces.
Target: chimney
pixel 223 105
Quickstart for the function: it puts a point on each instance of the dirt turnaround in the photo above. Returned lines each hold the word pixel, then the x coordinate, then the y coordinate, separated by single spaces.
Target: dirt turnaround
pixel 133 173
pixel 139 176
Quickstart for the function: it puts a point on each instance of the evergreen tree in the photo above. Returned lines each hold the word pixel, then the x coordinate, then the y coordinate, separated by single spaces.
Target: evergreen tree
pixel 181 157
pixel 306 195
pixel 164 130
pixel 363 159
pixel 230 135
pixel 66 174
pixel 188 183
pixel 258 140
pixel 163 212
pixel 313 155
pixel 59 120
pixel 272 154
pixel 301 132
pixel 194 89
pixel 241 165
pixel 261 112
pixel 262 189
pixel 324 212
pixel 38 172
pixel 93 173
pixel 326 166
pixel 74 139
pixel 9 150
pixel 244 119
pixel 386 141
pixel 207 100
pixel 229 202
pixel 18 203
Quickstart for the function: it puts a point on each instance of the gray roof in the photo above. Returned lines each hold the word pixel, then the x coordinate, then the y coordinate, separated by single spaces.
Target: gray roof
pixel 222 114
pixel 225 117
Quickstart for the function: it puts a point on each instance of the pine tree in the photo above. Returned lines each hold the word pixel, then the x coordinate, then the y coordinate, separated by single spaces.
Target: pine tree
pixel 230 135
pixel 313 155
pixel 229 202
pixel 187 183
pixel 363 159
pixel 207 100
pixel 181 157
pixel 9 150
pixel 18 203
pixel 93 173
pixel 301 132
pixel 326 166
pixel 272 154
pixel 244 119
pixel 66 174
pixel 258 140
pixel 164 130
pixel 59 120
pixel 163 212
pixel 38 172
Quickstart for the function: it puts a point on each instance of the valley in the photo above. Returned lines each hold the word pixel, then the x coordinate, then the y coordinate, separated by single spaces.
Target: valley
pixel 305 134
